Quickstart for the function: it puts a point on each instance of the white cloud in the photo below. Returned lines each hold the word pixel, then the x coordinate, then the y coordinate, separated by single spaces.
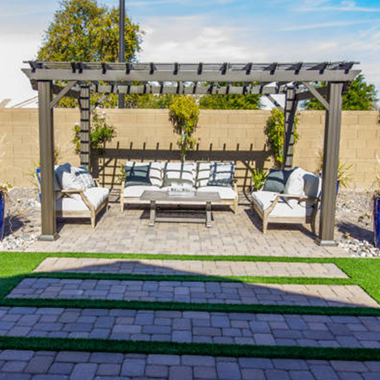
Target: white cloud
pixel 332 24
pixel 344 6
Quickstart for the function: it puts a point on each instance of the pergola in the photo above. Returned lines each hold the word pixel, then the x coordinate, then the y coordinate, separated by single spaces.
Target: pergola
pixel 293 80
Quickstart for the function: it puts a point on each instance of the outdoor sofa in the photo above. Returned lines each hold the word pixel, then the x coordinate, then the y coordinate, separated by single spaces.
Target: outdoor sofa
pixel 77 194
pixel 161 176
pixel 288 196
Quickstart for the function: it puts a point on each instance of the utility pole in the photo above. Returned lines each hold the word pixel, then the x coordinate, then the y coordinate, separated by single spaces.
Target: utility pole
pixel 121 97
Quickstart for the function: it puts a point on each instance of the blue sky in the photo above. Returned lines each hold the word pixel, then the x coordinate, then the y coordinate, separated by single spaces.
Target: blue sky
pixel 213 31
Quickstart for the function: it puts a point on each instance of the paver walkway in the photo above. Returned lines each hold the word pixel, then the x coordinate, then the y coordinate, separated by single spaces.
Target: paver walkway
pixel 192 326
pixel 38 365
pixel 189 267
pixel 194 292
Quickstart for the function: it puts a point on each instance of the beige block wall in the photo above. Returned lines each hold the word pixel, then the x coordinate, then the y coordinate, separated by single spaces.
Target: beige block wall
pixel 228 135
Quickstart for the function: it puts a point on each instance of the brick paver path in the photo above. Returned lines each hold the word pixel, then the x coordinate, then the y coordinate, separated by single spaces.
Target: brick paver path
pixel 230 234
pixel 191 326
pixel 194 292
pixel 175 267
pixel 64 365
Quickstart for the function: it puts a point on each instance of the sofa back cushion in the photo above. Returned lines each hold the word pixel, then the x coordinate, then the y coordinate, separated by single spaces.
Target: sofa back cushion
pixel 137 175
pixel 203 174
pixel 221 174
pixel 179 173
pixel 276 180
pixel 155 171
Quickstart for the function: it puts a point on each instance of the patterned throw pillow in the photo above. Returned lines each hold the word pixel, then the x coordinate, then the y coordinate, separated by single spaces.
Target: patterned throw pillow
pixel 276 180
pixel 203 174
pixel 179 173
pixel 221 174
pixel 155 171
pixel 72 177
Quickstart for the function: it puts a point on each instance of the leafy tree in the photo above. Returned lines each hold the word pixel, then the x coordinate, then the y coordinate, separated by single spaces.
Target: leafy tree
pixel 360 97
pixel 84 31
pixel 230 102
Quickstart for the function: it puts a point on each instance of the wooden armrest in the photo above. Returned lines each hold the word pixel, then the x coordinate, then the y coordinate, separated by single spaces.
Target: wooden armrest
pixel 72 191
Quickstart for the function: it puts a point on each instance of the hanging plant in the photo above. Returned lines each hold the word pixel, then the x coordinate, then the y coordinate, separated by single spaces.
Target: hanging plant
pixel 101 133
pixel 275 129
pixel 184 115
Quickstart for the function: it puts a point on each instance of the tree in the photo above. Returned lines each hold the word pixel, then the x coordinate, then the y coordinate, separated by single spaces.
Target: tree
pixel 84 31
pixel 360 97
pixel 230 102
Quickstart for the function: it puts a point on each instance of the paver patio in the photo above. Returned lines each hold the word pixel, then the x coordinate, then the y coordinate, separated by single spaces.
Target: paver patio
pixel 42 365
pixel 194 292
pixel 231 234
pixel 190 267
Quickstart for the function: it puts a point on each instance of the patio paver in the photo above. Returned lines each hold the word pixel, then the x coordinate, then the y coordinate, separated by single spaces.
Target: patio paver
pixel 52 365
pixel 194 292
pixel 189 267
pixel 192 326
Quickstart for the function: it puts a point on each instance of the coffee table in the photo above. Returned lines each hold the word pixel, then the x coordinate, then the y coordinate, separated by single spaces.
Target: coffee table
pixel 164 198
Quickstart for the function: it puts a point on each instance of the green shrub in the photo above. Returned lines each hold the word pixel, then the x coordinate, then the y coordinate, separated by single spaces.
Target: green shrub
pixel 258 178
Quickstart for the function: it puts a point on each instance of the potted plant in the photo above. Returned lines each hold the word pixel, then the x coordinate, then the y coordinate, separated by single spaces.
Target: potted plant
pixel 258 178
pixel 184 115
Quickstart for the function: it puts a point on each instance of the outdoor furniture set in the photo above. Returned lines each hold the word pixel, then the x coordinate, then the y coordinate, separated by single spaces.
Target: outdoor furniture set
pixel 288 196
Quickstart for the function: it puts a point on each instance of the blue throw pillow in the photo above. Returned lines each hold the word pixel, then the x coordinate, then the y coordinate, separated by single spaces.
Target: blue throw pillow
pixel 221 174
pixel 276 180
pixel 137 175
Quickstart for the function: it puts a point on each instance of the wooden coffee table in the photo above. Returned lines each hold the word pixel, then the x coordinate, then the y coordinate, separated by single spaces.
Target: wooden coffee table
pixel 164 198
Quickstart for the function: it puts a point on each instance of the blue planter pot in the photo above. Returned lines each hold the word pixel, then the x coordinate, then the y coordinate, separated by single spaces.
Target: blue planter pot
pixel 376 220
pixel 2 212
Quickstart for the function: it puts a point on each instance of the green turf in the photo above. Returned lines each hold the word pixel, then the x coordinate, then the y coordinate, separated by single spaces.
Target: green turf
pixel 169 348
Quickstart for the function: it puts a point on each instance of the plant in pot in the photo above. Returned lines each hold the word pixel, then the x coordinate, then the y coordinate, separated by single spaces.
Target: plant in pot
pixel 258 178
pixel 4 189
pixel 376 211
pixel 184 115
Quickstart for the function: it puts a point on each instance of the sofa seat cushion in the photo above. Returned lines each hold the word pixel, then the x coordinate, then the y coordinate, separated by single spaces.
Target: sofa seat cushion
pixel 264 199
pixel 97 195
pixel 137 191
pixel 221 174
pixel 225 192
pixel 179 173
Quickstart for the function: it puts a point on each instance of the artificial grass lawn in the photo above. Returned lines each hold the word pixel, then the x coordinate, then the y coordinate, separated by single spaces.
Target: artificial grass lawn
pixel 170 348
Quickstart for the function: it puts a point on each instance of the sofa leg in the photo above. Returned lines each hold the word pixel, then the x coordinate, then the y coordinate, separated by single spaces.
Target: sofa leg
pixel 265 226
pixel 235 205
pixel 121 206
pixel 93 221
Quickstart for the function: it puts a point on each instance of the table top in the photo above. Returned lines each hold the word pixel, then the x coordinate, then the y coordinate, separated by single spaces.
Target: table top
pixel 163 196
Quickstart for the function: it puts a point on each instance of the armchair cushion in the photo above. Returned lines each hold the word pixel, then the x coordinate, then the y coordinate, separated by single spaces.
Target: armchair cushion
pixel 225 192
pixel 95 195
pixel 179 172
pixel 221 174
pixel 276 180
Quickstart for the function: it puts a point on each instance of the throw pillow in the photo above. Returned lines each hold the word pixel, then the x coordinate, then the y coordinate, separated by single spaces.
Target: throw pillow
pixel 179 173
pixel 155 171
pixel 137 175
pixel 294 186
pixel 276 180
pixel 83 178
pixel 221 174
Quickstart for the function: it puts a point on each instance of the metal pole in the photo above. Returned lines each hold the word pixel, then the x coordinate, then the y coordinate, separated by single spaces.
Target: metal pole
pixel 121 97
pixel 330 165
pixel 46 135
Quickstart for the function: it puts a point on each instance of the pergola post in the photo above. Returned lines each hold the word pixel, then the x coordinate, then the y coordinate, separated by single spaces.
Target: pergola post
pixel 330 164
pixel 46 136
pixel 289 116
pixel 85 122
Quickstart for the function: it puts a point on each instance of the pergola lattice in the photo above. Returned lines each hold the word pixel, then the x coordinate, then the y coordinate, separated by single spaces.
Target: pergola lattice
pixel 293 80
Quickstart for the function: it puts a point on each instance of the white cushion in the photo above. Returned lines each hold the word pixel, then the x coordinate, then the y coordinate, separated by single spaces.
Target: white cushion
pixel 264 199
pixel 225 192
pixel 137 191
pixel 221 174
pixel 203 173
pixel 96 195
pixel 179 172
pixel 155 171
pixel 72 177
pixel 70 204
pixel 295 186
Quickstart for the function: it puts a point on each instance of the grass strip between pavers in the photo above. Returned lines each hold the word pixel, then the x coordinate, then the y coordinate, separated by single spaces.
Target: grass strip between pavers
pixel 169 348
pixel 185 306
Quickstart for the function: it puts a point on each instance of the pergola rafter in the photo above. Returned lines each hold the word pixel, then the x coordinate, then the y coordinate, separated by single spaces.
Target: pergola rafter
pixel 293 80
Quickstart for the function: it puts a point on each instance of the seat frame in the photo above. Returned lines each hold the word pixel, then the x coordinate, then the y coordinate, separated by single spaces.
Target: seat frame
pixel 266 217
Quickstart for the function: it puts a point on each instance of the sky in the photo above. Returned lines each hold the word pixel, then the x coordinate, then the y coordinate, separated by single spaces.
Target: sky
pixel 211 31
